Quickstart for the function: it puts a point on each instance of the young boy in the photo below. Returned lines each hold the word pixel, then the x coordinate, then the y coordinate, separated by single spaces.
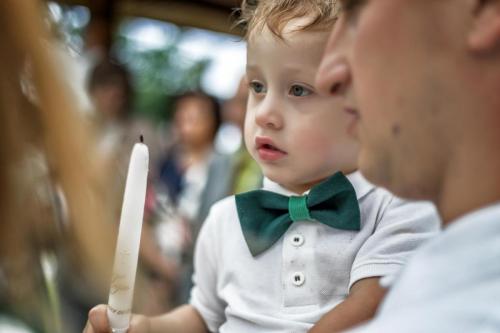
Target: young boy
pixel 315 240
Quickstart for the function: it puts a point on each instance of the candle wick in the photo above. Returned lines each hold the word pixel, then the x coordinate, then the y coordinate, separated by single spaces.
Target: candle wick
pixel 141 138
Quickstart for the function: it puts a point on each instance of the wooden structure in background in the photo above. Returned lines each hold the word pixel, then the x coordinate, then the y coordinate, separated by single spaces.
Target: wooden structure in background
pixel 213 15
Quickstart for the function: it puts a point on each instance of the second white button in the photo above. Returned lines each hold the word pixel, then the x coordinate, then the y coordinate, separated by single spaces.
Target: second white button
pixel 298 278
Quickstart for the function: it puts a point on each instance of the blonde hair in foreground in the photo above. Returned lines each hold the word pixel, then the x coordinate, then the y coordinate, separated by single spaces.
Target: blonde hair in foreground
pixel 55 127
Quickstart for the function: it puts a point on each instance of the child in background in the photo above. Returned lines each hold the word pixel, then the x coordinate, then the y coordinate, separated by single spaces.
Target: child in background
pixel 318 237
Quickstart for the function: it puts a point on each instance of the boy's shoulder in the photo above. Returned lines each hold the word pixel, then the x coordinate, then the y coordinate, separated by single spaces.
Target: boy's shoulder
pixel 378 203
pixel 368 193
pixel 224 209
pixel 224 203
pixel 389 209
pixel 223 217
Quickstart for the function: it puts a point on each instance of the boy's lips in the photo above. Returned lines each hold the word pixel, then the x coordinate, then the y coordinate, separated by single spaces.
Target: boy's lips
pixel 267 150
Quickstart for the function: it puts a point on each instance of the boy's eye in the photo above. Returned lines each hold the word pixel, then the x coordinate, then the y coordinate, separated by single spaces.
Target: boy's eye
pixel 299 91
pixel 257 87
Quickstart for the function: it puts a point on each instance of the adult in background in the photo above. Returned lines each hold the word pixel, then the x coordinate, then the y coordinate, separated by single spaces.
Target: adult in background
pixel 194 175
pixel 421 81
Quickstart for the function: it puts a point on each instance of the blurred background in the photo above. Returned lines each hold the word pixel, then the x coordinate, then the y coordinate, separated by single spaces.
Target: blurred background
pixel 82 80
pixel 169 46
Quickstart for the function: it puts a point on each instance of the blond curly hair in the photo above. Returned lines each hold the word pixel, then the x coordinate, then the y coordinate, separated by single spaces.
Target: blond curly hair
pixel 254 15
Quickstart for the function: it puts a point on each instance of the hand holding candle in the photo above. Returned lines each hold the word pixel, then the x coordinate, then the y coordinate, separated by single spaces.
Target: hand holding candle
pixel 129 235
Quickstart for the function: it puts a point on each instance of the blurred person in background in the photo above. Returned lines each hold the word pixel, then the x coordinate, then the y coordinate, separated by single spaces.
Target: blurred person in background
pixel 111 92
pixel 110 89
pixel 194 176
pixel 48 169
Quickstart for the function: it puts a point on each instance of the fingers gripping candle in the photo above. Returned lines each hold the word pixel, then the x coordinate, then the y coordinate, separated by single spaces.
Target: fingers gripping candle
pixel 129 235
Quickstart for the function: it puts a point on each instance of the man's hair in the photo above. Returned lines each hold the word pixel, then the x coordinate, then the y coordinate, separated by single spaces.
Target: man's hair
pixel 275 14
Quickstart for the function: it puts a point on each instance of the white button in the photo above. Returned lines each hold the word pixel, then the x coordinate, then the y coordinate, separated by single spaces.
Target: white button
pixel 298 278
pixel 297 240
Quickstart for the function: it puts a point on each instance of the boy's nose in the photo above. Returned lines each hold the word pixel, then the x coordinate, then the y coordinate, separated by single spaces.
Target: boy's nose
pixel 268 114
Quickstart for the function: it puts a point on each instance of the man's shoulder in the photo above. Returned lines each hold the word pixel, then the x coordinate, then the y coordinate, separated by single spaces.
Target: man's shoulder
pixel 459 264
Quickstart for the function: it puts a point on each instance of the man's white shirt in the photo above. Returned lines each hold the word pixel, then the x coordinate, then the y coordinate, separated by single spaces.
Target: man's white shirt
pixel 451 284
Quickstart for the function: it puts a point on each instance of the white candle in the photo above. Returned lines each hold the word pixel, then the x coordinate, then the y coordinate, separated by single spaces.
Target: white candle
pixel 129 235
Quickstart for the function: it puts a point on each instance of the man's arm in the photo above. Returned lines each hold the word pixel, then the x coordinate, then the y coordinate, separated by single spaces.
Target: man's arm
pixel 184 319
pixel 361 304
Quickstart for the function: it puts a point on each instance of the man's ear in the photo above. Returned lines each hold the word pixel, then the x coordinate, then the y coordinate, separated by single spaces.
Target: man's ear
pixel 484 35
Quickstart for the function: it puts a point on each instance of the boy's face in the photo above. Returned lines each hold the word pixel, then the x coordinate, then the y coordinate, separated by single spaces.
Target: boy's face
pixel 297 136
pixel 396 65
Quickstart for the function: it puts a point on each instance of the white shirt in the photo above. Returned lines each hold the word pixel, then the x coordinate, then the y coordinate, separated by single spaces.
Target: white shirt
pixel 309 270
pixel 451 285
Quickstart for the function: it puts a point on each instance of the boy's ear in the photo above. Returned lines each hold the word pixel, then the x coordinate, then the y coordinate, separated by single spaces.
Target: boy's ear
pixel 484 35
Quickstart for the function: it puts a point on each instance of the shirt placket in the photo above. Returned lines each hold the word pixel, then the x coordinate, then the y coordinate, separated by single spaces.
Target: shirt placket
pixel 297 265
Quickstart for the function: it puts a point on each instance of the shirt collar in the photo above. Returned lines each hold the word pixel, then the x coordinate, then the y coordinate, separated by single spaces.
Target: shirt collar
pixel 360 184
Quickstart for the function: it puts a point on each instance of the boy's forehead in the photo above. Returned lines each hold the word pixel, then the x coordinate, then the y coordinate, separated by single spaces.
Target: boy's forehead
pixel 292 36
pixel 292 27
pixel 299 49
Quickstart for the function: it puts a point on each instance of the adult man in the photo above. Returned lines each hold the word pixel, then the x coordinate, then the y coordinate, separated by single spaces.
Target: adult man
pixel 421 80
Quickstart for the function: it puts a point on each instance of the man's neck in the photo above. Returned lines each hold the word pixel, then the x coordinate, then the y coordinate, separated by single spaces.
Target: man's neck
pixel 471 182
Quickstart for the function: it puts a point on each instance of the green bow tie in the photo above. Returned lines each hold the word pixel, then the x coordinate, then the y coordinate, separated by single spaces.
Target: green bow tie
pixel 265 216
